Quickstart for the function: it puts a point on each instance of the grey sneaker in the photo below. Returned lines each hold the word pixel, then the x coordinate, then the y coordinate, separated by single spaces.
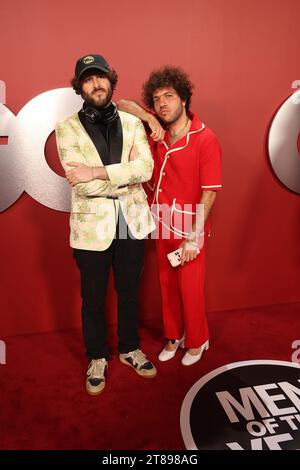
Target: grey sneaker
pixel 139 362
pixel 95 381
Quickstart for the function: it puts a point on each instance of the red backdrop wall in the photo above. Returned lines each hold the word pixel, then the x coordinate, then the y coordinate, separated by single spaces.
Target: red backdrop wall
pixel 242 56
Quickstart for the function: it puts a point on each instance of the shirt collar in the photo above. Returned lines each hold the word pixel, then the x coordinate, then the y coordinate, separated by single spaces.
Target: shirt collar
pixel 196 123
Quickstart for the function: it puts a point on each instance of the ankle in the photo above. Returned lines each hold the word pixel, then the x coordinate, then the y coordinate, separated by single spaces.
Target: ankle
pixel 171 345
pixel 193 351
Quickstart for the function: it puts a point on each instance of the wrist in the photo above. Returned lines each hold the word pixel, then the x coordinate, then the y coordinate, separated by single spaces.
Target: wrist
pixel 193 236
pixel 149 117
pixel 192 243
pixel 97 172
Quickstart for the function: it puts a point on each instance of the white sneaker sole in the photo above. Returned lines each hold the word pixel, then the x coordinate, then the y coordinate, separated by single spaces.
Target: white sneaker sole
pixel 141 374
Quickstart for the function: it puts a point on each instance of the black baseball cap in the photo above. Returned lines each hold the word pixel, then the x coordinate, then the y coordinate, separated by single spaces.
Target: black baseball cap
pixel 91 61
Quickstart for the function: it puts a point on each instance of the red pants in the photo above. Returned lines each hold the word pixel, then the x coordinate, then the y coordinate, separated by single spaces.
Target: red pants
pixel 182 290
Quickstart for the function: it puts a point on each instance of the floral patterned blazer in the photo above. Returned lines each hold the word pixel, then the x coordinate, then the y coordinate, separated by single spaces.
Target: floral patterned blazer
pixel 94 215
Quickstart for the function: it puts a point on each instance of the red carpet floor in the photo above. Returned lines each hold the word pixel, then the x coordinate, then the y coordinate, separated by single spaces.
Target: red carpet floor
pixel 43 399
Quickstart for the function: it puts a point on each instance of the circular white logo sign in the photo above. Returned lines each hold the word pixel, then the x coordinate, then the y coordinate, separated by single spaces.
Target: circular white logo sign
pixel 250 405
pixel 283 143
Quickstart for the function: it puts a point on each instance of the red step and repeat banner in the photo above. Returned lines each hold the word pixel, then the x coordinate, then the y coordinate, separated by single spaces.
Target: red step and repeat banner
pixel 242 57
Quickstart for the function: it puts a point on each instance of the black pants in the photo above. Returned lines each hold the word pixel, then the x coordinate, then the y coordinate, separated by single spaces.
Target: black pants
pixel 126 258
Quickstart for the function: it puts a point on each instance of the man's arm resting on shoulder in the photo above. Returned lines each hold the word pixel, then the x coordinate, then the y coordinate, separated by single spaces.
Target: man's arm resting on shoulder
pixel 157 131
pixel 131 107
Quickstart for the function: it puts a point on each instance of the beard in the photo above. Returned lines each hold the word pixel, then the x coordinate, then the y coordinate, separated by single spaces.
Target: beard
pixel 100 101
pixel 171 118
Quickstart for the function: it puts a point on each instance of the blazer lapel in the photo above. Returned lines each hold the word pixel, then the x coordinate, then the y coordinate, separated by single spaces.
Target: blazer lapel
pixel 116 141
pixel 86 144
pixel 128 134
pixel 96 137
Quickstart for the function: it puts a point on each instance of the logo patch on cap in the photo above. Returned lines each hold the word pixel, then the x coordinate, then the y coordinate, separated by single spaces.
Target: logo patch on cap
pixel 88 59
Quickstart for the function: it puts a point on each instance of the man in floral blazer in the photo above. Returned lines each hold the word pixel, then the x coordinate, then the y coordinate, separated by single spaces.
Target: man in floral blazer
pixel 106 157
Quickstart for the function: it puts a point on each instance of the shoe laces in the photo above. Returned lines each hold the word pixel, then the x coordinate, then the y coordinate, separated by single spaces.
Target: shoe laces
pixel 96 368
pixel 138 356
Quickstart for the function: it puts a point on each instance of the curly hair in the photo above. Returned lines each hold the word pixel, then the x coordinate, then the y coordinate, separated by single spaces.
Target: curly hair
pixel 168 76
pixel 77 84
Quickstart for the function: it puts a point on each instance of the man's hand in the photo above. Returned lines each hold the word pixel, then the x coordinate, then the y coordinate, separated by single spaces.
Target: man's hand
pixel 189 251
pixel 157 132
pixel 134 108
pixel 79 173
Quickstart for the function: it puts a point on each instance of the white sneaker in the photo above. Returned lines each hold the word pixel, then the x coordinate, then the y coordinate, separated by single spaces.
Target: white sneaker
pixel 139 362
pixel 95 381
pixel 166 355
pixel 189 359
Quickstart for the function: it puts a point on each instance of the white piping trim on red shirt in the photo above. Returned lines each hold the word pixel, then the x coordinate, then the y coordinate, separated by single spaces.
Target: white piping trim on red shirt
pixel 181 211
pixel 150 187
pixel 213 186
pixel 179 233
pixel 161 174
pixel 173 208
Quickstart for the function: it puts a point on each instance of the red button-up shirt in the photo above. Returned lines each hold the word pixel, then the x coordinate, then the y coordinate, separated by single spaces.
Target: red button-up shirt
pixel 184 170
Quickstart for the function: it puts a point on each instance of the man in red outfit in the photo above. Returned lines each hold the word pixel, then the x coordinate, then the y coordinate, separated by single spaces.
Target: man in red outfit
pixel 186 178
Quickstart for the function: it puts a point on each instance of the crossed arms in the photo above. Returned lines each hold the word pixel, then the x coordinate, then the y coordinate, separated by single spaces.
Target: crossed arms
pixel 90 181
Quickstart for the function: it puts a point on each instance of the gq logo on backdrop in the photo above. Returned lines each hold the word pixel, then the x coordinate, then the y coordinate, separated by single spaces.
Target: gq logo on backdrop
pixel 250 405
pixel 283 141
pixel 23 166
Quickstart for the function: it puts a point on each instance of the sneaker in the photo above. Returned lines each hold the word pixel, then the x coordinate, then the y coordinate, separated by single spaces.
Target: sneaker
pixel 139 362
pixel 95 381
